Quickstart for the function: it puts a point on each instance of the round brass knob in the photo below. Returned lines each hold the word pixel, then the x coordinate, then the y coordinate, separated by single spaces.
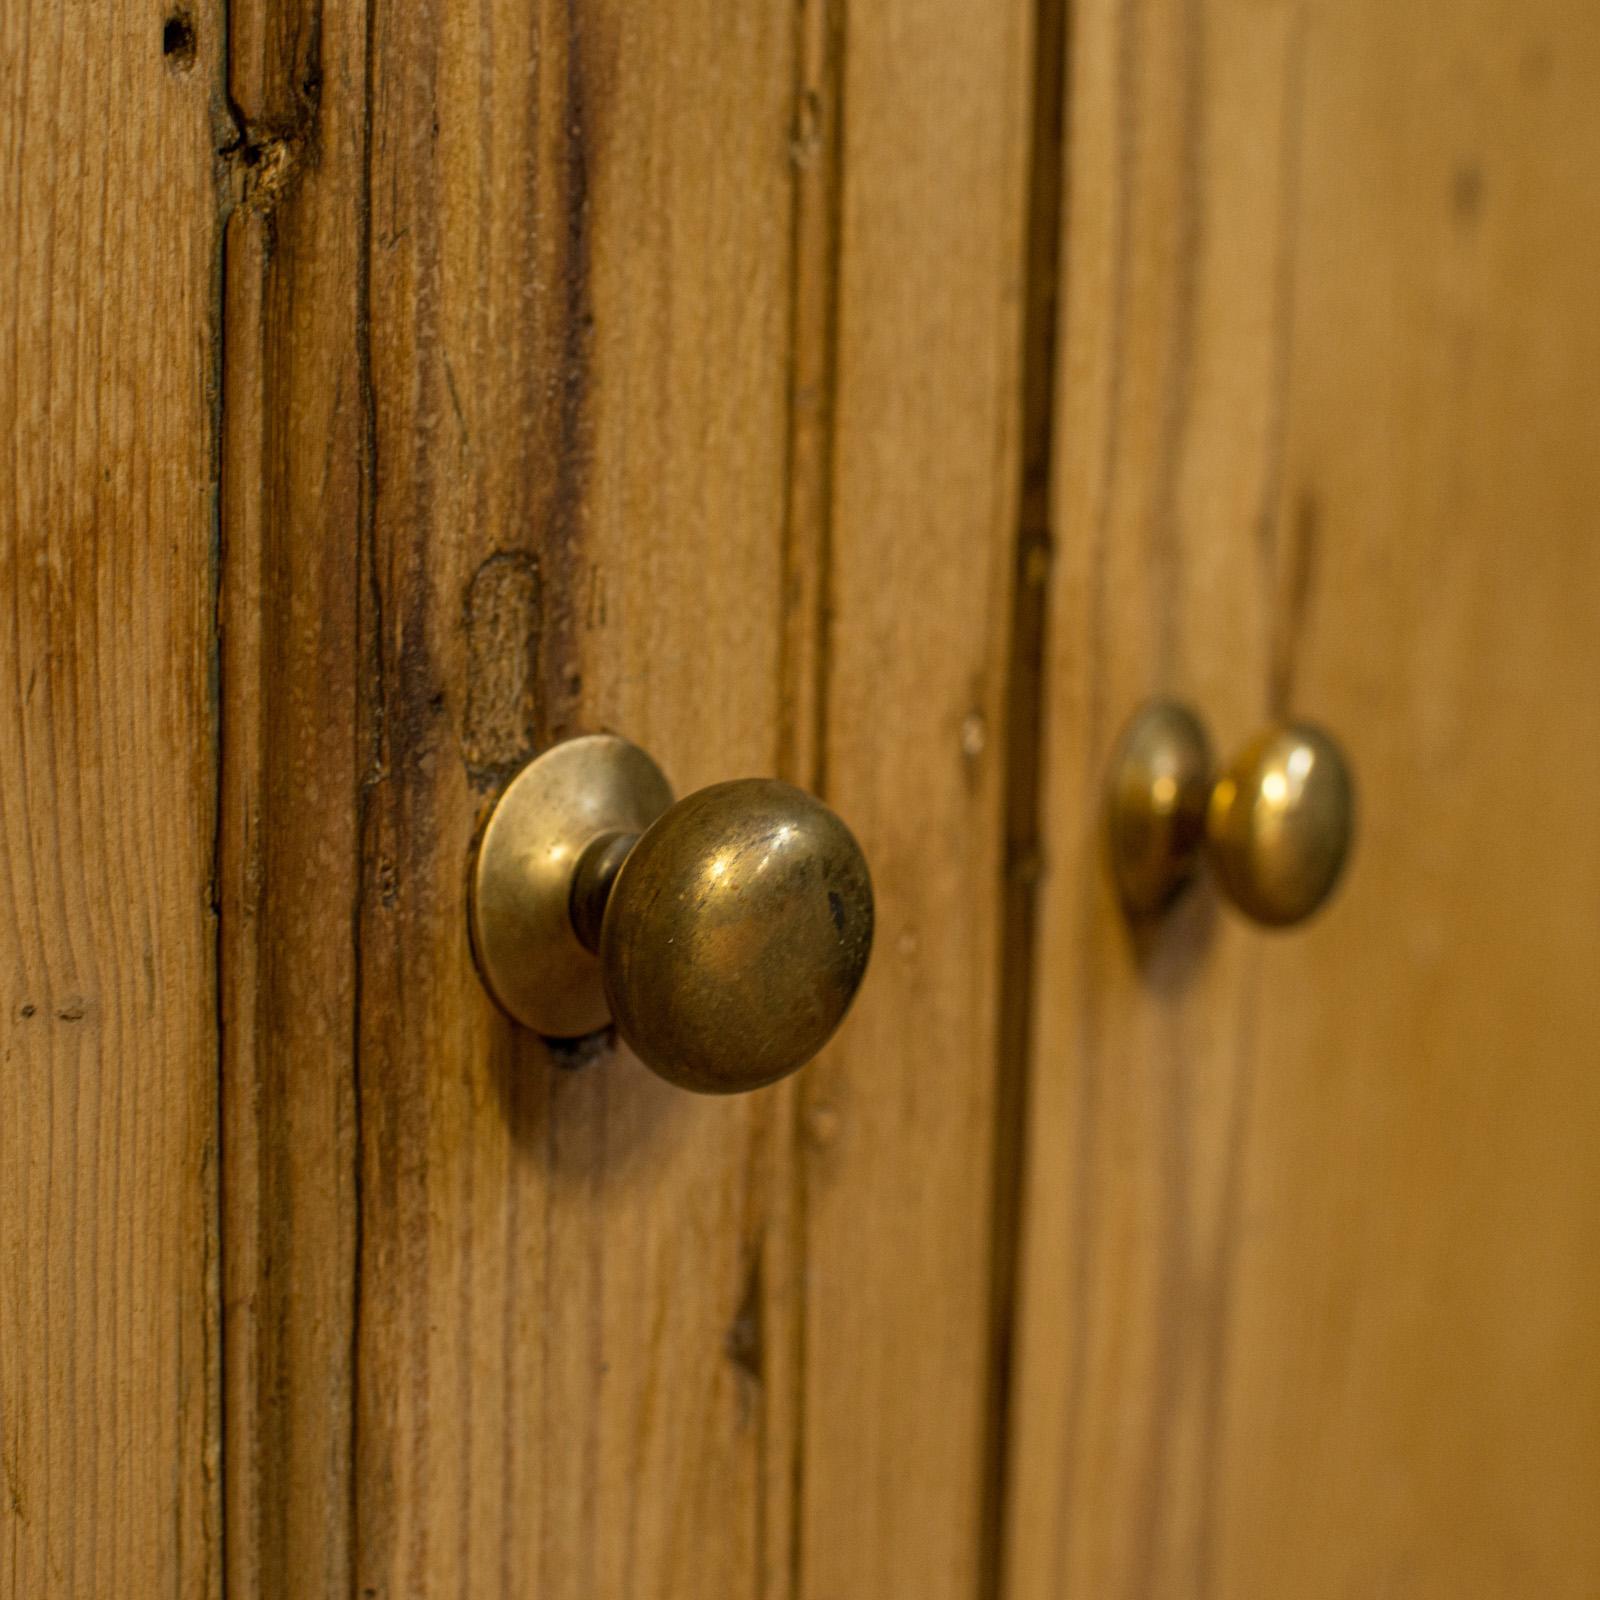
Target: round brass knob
pixel 1276 825
pixel 726 934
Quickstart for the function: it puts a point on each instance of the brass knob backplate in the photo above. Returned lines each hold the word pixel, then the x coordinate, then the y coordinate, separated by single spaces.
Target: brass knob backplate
pixel 1276 826
pixel 725 935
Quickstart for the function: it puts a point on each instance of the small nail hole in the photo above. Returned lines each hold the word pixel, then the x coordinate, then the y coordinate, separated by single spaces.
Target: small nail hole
pixel 177 42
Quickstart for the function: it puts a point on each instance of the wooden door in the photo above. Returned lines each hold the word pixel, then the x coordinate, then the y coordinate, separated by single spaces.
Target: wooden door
pixel 627 367
pixel 109 1326
pixel 1311 1266
pixel 887 397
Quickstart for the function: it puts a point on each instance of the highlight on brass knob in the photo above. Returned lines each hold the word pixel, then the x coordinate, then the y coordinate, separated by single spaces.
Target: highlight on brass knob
pixel 1275 826
pixel 726 934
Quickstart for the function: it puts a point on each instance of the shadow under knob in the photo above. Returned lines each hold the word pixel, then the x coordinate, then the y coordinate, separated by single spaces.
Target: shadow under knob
pixel 726 935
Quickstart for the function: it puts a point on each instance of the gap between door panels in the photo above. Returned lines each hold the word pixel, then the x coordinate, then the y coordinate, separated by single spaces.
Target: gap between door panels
pixel 1025 711
pixel 806 643
pixel 294 473
pixel 805 671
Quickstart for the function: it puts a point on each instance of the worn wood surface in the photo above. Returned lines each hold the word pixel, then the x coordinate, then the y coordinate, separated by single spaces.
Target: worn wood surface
pixel 573 343
pixel 108 1088
pixel 591 367
pixel 1309 1292
pixel 296 484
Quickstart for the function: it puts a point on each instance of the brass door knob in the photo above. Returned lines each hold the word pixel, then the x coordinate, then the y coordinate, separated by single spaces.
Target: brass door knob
pixel 1275 826
pixel 725 934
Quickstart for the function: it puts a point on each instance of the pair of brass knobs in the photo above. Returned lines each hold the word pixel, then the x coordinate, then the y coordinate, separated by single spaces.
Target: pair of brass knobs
pixel 726 934
pixel 1275 826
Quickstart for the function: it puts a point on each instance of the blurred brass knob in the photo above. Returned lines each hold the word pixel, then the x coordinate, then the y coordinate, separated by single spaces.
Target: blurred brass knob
pixel 726 934
pixel 1276 826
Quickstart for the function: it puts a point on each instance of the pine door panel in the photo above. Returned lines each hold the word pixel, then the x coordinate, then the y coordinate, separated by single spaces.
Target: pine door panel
pixel 110 210
pixel 600 366
pixel 1309 1269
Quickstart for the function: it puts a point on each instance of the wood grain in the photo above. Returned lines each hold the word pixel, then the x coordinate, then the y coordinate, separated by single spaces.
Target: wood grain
pixel 1309 1293
pixel 575 344
pixel 108 1159
pixel 898 1119
pixel 296 482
